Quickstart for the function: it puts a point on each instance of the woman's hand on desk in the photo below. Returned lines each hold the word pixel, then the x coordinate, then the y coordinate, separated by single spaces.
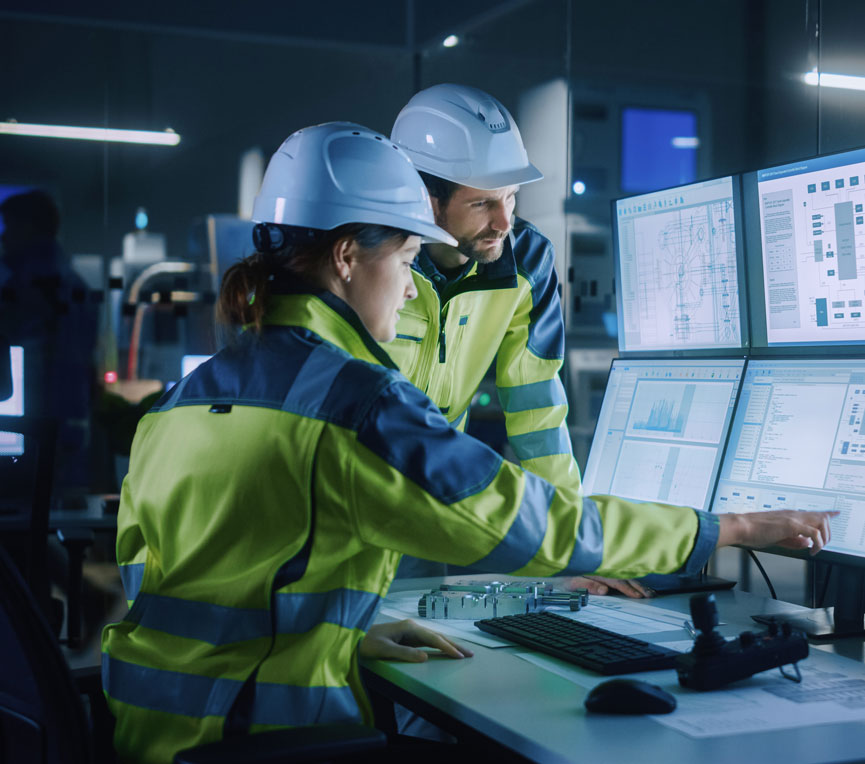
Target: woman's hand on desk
pixel 601 585
pixel 788 528
pixel 400 640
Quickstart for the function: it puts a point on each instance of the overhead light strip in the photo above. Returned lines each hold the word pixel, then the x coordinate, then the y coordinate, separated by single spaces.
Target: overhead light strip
pixel 828 80
pixel 166 138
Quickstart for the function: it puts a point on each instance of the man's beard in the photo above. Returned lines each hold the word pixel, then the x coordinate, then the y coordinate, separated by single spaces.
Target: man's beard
pixel 469 248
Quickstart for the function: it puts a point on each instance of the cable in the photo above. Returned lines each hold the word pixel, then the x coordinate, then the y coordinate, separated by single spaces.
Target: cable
pixel 765 575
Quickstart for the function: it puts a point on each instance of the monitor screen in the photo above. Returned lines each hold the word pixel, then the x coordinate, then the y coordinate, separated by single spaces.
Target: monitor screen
pixel 678 264
pixel 11 443
pixel 798 442
pixel 812 237
pixel 662 428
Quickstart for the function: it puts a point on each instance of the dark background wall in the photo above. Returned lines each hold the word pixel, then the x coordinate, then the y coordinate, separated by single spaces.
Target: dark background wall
pixel 228 78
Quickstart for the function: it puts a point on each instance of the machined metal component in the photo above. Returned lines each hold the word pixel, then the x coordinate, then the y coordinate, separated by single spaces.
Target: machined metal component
pixel 474 600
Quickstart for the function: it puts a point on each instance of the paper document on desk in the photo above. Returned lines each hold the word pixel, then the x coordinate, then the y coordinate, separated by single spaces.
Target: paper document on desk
pixel 828 694
pixel 626 617
pixel 770 702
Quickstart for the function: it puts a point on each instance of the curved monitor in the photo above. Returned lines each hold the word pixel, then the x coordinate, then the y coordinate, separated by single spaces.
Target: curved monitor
pixel 679 262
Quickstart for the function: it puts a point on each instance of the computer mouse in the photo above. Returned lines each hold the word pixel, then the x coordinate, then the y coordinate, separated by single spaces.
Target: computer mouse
pixel 629 696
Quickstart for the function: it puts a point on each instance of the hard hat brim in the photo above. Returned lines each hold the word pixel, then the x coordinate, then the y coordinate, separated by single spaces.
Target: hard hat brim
pixel 502 179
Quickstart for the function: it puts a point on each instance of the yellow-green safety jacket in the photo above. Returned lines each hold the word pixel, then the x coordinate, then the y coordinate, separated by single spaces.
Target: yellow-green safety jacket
pixel 508 311
pixel 270 496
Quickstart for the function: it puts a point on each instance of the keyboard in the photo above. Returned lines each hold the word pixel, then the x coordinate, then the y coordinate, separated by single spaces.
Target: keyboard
pixel 587 646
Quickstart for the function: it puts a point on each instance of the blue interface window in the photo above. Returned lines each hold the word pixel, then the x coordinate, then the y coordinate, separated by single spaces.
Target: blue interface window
pixel 659 148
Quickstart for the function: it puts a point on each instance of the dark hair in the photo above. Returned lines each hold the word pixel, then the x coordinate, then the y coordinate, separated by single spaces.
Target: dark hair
pixel 35 207
pixel 246 284
pixel 439 188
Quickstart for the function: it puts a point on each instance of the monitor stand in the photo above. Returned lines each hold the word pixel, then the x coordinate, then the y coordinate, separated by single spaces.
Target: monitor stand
pixel 673 584
pixel 846 619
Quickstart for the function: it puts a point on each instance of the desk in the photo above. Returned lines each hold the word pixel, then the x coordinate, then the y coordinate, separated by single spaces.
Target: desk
pixel 541 716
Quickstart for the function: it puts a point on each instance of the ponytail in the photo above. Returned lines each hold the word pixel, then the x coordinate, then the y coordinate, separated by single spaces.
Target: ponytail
pixel 245 289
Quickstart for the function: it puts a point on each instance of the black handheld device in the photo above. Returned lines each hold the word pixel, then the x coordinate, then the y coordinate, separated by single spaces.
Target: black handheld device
pixel 715 661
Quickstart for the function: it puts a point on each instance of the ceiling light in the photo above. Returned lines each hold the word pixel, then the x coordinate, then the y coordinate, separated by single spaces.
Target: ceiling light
pixel 165 138
pixel 827 80
pixel 450 41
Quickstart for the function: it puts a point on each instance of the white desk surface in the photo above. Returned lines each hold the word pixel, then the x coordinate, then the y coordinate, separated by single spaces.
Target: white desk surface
pixel 541 715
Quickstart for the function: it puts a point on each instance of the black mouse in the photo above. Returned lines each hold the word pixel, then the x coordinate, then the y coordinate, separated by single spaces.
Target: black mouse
pixel 629 696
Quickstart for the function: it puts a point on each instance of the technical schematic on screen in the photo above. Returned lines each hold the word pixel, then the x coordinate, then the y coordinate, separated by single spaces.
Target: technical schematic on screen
pixel 812 220
pixel 678 283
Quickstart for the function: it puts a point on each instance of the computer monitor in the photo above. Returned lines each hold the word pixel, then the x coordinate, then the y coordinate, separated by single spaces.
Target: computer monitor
pixel 190 363
pixel 662 428
pixel 805 269
pixel 679 264
pixel 11 443
pixel 798 442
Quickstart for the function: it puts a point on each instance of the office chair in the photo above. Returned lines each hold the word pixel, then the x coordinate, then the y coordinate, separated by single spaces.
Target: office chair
pixel 42 717
pixel 26 532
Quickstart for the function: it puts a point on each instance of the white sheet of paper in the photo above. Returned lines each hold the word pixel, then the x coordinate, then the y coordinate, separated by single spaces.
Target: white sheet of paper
pixel 766 702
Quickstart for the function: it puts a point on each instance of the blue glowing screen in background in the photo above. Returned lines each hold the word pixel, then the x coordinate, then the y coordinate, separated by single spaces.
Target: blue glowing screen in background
pixel 659 148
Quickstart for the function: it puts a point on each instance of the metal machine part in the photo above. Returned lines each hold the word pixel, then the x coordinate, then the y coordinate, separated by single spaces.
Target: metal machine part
pixel 474 600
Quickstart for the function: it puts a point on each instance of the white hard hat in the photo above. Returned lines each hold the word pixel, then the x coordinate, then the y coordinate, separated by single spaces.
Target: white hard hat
pixel 336 173
pixel 463 135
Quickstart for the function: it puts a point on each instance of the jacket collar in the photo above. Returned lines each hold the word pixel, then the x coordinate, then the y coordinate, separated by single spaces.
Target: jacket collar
pixel 326 315
pixel 501 274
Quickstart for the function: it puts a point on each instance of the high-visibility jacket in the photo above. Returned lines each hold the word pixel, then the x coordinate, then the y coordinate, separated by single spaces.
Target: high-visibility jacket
pixel 508 311
pixel 270 496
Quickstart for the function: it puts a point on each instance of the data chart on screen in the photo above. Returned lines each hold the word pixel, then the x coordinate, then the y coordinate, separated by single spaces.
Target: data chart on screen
pixel 677 266
pixel 12 443
pixel 798 442
pixel 812 224
pixel 661 430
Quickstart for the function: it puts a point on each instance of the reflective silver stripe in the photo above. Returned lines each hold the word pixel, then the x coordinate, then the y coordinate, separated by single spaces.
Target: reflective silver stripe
pixel 527 531
pixel 537 395
pixel 313 382
pixel 175 692
pixel 215 624
pixel 293 706
pixel 589 547
pixel 351 608
pixel 131 576
pixel 170 691
pixel 533 445
pixel 221 625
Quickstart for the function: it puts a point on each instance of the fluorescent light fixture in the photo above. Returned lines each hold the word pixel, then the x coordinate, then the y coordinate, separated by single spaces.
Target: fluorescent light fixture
pixel 450 41
pixel 685 142
pixel 828 80
pixel 166 138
